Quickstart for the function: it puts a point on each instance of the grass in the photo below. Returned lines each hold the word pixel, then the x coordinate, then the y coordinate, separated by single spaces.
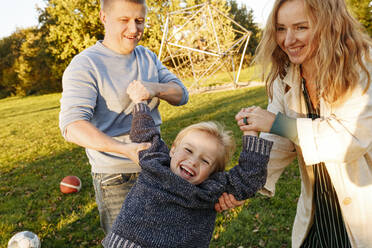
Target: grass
pixel 248 74
pixel 34 158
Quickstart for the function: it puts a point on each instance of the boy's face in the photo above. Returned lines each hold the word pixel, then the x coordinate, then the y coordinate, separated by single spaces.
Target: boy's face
pixel 124 24
pixel 194 158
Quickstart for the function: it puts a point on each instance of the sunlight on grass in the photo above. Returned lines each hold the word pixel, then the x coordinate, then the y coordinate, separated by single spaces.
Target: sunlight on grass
pixel 75 216
pixel 34 158
pixel 249 74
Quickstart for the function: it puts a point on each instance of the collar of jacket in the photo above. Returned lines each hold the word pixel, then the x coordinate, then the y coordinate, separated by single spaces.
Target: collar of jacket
pixel 293 77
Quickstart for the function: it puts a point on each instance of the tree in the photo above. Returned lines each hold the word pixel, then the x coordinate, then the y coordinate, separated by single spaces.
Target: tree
pixel 72 25
pixel 9 52
pixel 362 10
pixel 34 65
pixel 244 17
pixel 34 59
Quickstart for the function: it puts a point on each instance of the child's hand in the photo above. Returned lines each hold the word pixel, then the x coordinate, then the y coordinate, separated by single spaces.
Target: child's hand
pixel 227 201
pixel 139 91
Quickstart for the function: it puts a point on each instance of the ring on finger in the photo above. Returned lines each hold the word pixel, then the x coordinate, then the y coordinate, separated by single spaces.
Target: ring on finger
pixel 245 121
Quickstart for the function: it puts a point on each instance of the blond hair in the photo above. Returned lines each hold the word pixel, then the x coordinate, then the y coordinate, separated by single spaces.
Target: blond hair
pixel 341 49
pixel 217 130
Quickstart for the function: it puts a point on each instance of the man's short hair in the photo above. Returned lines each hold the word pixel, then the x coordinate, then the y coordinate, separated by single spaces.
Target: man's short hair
pixel 217 130
pixel 105 4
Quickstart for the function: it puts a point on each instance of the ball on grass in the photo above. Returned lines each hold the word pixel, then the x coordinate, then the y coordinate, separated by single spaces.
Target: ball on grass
pixel 25 239
pixel 70 184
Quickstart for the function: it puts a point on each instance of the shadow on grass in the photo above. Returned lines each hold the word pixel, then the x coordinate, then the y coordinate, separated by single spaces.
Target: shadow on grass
pixel 30 112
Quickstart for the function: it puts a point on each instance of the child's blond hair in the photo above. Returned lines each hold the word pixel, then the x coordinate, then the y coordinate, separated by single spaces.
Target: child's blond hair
pixel 217 130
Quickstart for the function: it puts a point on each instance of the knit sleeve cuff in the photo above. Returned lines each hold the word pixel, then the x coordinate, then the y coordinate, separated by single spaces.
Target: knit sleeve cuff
pixel 258 145
pixel 141 108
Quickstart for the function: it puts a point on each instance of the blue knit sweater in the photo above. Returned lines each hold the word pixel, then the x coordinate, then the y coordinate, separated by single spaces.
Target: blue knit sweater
pixel 164 210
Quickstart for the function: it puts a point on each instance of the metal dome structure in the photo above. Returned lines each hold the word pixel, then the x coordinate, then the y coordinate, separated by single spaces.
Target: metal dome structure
pixel 200 41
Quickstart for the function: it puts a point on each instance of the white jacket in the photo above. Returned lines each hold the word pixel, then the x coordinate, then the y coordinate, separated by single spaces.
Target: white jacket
pixel 342 139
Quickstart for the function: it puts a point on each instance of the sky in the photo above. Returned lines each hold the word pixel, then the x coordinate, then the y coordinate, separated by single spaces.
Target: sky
pixel 23 13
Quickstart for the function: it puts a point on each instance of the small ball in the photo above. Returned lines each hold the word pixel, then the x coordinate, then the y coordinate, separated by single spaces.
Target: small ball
pixel 70 184
pixel 25 239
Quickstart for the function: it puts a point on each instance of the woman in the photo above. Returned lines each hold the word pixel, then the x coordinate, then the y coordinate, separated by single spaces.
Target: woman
pixel 318 79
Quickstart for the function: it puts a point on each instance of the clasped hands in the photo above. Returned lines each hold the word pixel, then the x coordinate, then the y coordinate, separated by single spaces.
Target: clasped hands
pixel 251 120
pixel 255 119
pixel 139 92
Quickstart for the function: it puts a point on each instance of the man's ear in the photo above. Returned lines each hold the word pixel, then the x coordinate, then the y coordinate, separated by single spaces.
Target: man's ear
pixel 102 16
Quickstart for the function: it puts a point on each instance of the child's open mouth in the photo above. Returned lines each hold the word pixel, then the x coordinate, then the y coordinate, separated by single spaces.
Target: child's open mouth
pixel 186 172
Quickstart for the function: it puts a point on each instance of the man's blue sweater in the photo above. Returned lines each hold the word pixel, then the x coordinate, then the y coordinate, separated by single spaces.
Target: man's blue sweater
pixel 164 210
pixel 94 89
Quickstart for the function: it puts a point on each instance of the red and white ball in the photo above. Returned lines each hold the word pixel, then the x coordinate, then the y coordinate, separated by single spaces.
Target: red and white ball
pixel 70 184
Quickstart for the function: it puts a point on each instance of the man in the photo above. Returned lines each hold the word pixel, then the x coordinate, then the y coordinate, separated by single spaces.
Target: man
pixel 95 109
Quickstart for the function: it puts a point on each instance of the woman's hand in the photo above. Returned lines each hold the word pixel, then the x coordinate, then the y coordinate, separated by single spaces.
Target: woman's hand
pixel 255 119
pixel 227 201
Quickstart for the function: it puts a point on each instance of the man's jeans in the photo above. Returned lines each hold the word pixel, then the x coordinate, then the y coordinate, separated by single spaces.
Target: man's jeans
pixel 111 190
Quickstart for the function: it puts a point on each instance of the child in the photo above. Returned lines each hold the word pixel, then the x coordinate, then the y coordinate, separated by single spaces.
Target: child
pixel 172 202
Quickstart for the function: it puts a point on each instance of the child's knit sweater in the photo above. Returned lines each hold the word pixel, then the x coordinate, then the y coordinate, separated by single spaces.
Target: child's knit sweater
pixel 164 210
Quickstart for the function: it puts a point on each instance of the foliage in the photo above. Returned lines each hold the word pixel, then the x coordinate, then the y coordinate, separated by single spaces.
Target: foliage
pixel 35 158
pixel 10 48
pixel 244 16
pixel 26 65
pixel 362 10
pixel 72 25
pixel 33 59
pixel 34 65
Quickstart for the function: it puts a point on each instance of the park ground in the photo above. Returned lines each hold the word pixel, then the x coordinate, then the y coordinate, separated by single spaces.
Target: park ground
pixel 34 158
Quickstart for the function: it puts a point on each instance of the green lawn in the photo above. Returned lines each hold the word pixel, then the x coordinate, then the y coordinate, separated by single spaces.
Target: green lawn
pixel 248 74
pixel 34 158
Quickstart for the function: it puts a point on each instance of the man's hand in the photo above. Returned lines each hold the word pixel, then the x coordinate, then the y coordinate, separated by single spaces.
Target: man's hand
pixel 227 201
pixel 139 91
pixel 85 134
pixel 131 150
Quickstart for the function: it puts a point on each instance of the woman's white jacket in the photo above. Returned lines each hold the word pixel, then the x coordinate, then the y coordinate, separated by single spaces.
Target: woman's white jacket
pixel 342 139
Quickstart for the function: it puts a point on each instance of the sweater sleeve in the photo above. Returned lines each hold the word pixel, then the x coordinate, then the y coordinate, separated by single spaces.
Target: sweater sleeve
pixel 165 76
pixel 79 94
pixel 249 176
pixel 143 125
pixel 144 130
pixel 246 178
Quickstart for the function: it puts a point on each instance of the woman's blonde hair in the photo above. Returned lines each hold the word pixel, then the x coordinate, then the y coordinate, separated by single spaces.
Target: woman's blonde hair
pixel 217 130
pixel 341 49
